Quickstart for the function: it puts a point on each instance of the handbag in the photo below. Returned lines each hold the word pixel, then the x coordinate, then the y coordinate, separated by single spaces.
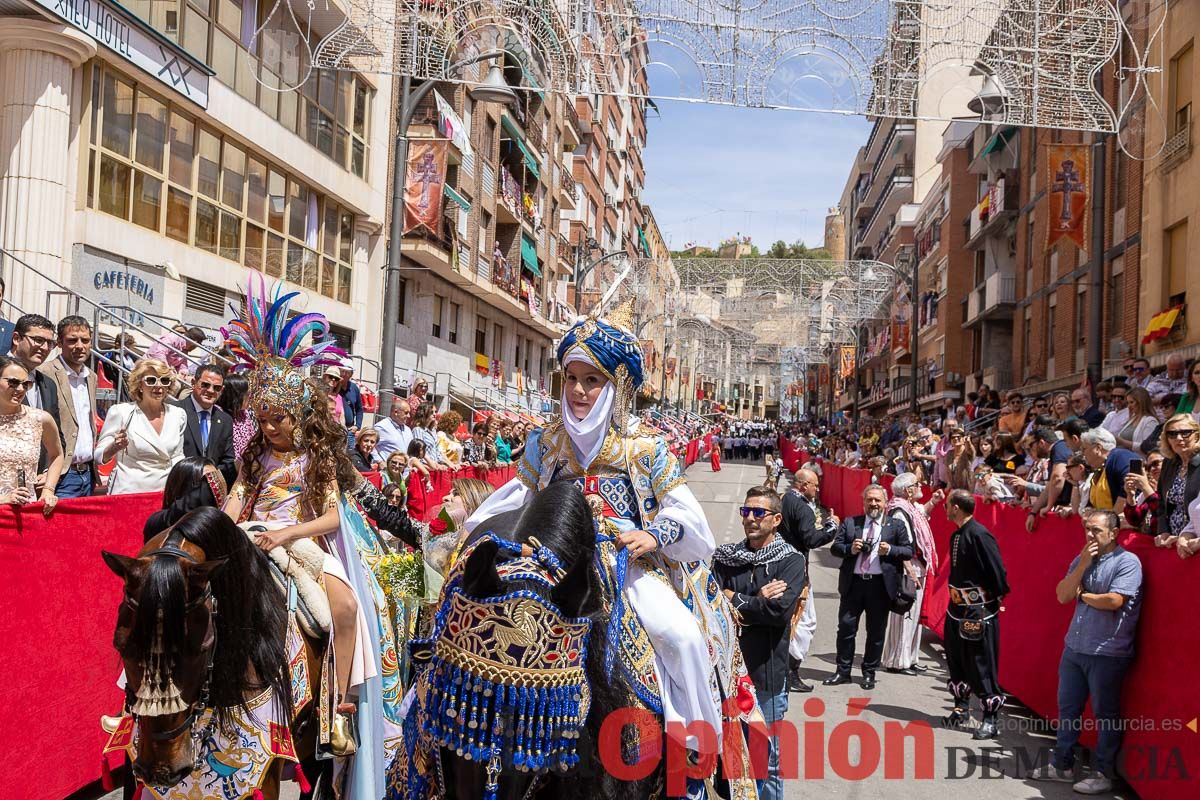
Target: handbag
pixel 906 595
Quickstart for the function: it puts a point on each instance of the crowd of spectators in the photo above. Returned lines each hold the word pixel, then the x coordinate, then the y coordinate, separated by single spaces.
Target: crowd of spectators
pixel 1131 447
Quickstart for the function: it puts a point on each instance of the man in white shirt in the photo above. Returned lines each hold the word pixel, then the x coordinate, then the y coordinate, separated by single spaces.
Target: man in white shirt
pixel 76 388
pixel 394 433
pixel 1119 416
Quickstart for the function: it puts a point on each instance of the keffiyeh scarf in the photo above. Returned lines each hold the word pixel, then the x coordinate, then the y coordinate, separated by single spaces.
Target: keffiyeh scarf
pixel 738 554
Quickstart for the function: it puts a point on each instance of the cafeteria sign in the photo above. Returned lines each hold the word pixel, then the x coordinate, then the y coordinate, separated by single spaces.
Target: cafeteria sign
pixel 135 41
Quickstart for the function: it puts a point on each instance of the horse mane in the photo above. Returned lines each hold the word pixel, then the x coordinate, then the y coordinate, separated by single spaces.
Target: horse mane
pixel 559 518
pixel 161 608
pixel 251 616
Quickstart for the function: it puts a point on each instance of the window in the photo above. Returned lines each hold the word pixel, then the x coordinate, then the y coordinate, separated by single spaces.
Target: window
pixel 517 352
pixel 1081 317
pixel 1180 80
pixel 1027 340
pixel 452 323
pixel 403 301
pixel 1175 254
pixel 256 51
pixel 437 317
pixel 480 335
pixel 1116 299
pixel 157 168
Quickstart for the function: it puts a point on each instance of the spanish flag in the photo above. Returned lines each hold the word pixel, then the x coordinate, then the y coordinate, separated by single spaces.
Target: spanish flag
pixel 1161 324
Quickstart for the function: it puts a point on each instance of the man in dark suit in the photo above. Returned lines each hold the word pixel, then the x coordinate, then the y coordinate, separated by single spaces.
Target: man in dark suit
pixel 209 431
pixel 801 531
pixel 873 549
pixel 32 341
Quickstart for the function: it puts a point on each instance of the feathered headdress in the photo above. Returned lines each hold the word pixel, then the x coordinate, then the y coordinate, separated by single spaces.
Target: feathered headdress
pixel 271 346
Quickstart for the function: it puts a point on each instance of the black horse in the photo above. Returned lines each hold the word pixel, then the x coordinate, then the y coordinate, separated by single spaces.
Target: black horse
pixel 559 519
pixel 200 610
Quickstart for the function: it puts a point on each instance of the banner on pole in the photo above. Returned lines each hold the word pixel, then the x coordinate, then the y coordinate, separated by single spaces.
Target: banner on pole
pixel 1068 190
pixel 901 319
pixel 846 368
pixel 424 185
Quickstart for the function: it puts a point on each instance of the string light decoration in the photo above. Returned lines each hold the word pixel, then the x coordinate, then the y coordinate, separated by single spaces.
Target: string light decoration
pixel 917 59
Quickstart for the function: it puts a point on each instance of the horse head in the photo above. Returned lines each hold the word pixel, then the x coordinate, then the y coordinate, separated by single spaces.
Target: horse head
pixel 507 692
pixel 166 636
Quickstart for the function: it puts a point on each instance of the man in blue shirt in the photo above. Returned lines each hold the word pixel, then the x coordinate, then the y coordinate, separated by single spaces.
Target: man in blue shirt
pixel 1105 584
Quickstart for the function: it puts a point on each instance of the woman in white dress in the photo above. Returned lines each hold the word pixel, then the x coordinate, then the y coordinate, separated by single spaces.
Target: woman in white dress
pixel 145 436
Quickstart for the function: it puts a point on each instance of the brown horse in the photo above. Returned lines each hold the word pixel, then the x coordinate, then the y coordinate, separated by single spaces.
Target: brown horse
pixel 201 626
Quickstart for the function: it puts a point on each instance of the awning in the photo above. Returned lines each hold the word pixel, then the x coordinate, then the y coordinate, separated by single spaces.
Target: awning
pixel 529 257
pixel 515 132
pixel 462 202
pixel 998 142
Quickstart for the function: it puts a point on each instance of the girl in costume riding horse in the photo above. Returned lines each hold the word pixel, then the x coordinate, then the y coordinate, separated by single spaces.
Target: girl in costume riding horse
pixel 669 627
pixel 289 484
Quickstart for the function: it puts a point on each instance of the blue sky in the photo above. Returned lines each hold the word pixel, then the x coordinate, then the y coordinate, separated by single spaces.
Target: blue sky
pixel 713 171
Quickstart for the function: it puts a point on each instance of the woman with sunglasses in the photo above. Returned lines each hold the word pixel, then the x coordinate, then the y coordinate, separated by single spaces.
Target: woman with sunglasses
pixel 1178 484
pixel 146 435
pixel 24 432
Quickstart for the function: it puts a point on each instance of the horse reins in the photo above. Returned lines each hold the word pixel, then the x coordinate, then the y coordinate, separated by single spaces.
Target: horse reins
pixel 201 703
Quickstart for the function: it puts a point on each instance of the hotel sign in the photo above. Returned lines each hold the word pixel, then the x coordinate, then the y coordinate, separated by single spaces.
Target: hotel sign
pixel 136 42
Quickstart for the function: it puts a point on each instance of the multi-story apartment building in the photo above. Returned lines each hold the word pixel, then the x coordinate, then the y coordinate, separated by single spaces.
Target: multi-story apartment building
pixel 1050 319
pixel 608 166
pixel 482 299
pixel 1170 199
pixel 153 162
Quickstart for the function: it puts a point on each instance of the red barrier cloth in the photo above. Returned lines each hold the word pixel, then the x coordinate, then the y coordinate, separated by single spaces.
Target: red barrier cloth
pixel 1033 625
pixel 59 666
pixel 375 477
pixel 692 453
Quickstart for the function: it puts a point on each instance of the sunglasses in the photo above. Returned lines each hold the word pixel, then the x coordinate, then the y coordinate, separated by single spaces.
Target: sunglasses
pixel 1178 433
pixel 757 513
pixel 17 384
pixel 1140 369
pixel 212 387
pixel 155 380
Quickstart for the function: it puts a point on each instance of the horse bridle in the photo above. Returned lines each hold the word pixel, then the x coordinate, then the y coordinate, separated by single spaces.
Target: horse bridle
pixel 201 703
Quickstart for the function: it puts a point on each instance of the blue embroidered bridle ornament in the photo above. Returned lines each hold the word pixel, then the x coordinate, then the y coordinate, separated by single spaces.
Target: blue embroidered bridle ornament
pixel 507 685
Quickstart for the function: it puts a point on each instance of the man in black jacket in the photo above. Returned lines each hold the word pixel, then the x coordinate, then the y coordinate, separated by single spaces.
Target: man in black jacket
pixel 873 549
pixel 801 531
pixel 762 576
pixel 978 583
pixel 209 432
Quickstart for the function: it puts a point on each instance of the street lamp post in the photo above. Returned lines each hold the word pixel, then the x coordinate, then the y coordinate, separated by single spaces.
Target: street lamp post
pixel 583 270
pixel 493 89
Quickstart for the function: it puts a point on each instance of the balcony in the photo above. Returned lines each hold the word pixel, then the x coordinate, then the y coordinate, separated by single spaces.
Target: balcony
pixel 896 192
pixel 891 150
pixel 1177 148
pixel 992 299
pixel 993 213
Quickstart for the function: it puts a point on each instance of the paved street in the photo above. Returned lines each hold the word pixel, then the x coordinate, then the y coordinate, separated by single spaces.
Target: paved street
pixel 897 698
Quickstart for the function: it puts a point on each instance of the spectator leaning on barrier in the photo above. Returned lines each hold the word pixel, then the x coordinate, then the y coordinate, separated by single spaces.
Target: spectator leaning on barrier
pixel 363 456
pixel 394 433
pixel 25 435
pixel 1179 484
pixel 75 385
pixel 1057 489
pixel 1104 582
pixel 1141 495
pixel 1111 465
pixel 762 576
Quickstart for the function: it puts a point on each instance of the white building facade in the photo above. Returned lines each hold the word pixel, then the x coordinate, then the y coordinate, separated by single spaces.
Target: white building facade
pixel 155 156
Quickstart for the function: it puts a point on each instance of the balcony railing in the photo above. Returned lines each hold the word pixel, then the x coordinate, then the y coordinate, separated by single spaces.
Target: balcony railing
pixel 997 291
pixel 1178 147
pixel 901 174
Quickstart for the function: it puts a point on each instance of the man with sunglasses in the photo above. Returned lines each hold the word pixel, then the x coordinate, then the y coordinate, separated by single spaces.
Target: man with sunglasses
pixel 32 341
pixel 1139 373
pixel 1116 419
pixel 209 431
pixel 762 576
pixel 873 549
